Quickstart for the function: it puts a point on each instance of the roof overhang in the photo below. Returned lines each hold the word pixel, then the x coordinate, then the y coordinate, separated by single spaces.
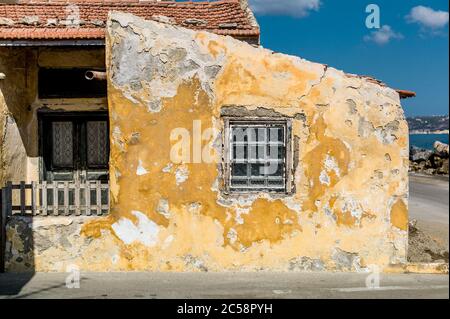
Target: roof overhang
pixel 39 20
pixel 50 43
pixel 404 94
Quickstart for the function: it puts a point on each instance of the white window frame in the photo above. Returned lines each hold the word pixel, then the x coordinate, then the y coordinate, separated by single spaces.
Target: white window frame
pixel 229 123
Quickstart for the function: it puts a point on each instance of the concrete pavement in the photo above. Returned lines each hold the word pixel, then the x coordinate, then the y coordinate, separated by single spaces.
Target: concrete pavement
pixel 223 285
pixel 429 205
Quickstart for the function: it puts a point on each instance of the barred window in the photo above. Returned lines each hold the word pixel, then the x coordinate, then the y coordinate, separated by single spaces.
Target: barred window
pixel 257 156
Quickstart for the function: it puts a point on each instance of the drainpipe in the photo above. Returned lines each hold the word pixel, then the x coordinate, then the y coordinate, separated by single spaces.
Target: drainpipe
pixel 95 75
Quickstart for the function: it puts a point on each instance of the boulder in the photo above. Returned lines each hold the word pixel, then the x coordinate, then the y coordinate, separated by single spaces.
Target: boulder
pixel 441 149
pixel 444 168
pixel 417 154
pixel 436 161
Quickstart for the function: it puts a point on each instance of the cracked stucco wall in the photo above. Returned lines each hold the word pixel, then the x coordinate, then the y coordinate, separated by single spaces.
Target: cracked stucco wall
pixel 348 209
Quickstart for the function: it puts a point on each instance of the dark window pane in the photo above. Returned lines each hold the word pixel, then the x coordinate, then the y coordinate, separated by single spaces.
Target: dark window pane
pixel 258 182
pixel 62 148
pixel 274 169
pixel 68 83
pixel 257 169
pixel 257 152
pixel 238 182
pixel 97 143
pixel 276 152
pixel 261 137
pixel 276 134
pixel 276 182
pixel 239 170
pixel 257 134
pixel 240 134
pixel 240 152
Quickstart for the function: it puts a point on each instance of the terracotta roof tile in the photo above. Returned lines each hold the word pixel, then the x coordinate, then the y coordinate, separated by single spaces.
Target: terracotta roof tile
pixel 36 20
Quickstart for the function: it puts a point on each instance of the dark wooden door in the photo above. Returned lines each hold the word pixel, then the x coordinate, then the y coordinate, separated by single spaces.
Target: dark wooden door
pixel 75 147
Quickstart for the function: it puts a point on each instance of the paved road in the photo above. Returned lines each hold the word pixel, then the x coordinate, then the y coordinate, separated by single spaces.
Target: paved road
pixel 429 204
pixel 223 285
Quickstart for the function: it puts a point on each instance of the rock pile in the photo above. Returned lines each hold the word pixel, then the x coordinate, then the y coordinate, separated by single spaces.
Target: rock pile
pixel 431 162
pixel 423 248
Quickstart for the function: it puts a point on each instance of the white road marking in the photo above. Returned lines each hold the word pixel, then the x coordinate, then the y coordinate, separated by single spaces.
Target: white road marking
pixel 357 289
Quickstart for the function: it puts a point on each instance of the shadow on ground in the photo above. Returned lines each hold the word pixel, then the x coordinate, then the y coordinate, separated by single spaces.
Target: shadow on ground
pixel 12 284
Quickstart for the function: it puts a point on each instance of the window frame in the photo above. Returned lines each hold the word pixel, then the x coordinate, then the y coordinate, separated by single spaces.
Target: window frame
pixel 228 122
pixel 80 165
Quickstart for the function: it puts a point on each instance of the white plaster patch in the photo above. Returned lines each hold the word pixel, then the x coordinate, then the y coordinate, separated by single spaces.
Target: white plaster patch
pixel 145 232
pixel 49 221
pixel 324 178
pixel 168 241
pixel 329 213
pixel 292 204
pixel 194 208
pixel 163 208
pixel 232 235
pixel 239 212
pixel 332 165
pixel 141 169
pixel 181 175
pixel 115 259
pixel 168 168
pixel 353 208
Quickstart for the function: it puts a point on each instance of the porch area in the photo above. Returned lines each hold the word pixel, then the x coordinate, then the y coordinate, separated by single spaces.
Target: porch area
pixel 25 201
pixel 54 150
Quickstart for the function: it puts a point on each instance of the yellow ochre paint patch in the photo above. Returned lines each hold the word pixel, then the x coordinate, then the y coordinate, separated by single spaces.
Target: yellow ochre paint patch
pixel 399 215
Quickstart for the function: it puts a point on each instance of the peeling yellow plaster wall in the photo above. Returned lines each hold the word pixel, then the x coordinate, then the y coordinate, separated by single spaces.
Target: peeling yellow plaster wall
pixel 349 169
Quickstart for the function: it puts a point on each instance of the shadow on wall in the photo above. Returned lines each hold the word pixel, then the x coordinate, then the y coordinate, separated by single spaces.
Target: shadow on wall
pixel 17 91
pixel 17 246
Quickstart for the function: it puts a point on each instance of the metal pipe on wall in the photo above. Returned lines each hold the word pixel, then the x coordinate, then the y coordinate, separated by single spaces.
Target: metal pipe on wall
pixel 95 75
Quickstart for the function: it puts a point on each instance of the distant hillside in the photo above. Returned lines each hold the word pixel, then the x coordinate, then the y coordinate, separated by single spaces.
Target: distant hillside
pixel 429 124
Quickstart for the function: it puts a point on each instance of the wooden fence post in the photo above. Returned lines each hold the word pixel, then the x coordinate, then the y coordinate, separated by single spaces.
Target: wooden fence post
pixel 22 198
pixel 34 199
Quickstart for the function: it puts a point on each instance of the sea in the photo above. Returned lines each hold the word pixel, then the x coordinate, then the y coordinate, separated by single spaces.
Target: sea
pixel 426 141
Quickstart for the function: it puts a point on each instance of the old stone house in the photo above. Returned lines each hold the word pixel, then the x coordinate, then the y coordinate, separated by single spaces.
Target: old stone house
pixel 196 150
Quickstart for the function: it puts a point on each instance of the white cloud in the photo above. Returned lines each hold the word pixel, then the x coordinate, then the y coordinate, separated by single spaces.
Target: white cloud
pixel 295 8
pixel 427 17
pixel 383 35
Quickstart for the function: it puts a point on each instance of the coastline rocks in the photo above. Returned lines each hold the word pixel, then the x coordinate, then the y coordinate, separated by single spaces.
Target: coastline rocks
pixel 441 149
pixel 417 154
pixel 430 162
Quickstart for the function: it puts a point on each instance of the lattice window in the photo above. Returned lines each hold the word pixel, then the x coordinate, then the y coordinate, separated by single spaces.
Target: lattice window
pixel 257 153
pixel 62 150
pixel 97 143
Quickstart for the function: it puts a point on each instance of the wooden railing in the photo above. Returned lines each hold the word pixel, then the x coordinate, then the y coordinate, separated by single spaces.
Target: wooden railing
pixel 56 199
pixel 50 199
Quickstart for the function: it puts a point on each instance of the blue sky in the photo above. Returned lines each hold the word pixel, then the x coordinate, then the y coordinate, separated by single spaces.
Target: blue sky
pixel 410 53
